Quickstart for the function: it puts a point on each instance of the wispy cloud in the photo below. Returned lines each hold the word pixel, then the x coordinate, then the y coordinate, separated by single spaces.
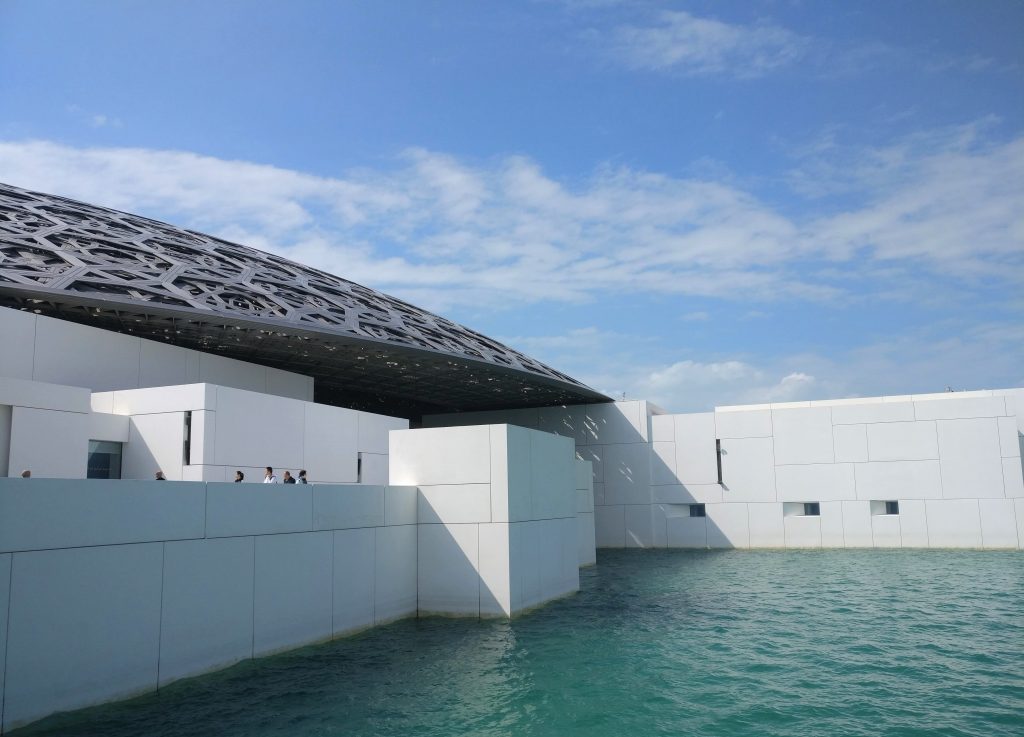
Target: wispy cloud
pixel 683 43
pixel 444 232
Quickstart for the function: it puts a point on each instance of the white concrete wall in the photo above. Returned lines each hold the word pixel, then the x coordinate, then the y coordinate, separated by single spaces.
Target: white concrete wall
pixel 56 351
pixel 234 429
pixel 937 455
pixel 118 587
pixel 497 512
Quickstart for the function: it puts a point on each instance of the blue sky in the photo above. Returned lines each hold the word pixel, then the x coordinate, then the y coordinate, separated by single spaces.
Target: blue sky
pixel 697 203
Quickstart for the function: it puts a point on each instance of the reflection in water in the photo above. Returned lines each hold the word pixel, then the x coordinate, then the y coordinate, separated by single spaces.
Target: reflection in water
pixel 657 643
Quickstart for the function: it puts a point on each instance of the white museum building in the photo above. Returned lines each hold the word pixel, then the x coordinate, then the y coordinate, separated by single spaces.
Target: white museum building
pixel 448 474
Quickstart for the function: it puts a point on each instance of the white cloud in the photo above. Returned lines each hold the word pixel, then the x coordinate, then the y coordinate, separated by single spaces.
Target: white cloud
pixel 683 43
pixel 443 232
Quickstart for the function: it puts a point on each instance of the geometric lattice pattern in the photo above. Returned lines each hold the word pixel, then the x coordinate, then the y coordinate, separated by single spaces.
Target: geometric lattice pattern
pixel 69 258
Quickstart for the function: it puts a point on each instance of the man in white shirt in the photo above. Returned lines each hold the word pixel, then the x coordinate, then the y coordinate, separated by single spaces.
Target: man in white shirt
pixel 269 477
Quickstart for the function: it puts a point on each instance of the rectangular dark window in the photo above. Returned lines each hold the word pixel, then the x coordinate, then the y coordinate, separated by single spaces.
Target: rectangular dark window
pixel 359 468
pixel 186 450
pixel 697 510
pixel 718 458
pixel 892 507
pixel 104 460
pixel 812 509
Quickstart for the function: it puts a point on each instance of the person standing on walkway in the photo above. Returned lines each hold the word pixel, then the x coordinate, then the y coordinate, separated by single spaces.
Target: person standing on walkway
pixel 269 477
pixel 288 478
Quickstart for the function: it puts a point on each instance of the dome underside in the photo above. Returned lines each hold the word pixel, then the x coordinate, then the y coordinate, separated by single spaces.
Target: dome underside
pixel 365 349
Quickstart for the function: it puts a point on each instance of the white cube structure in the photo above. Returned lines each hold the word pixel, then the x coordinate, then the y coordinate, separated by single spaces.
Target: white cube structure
pixel 497 511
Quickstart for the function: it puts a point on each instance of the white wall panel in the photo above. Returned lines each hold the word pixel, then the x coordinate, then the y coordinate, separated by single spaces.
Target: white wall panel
pixel 108 427
pixel 160 364
pixel 329 443
pixel 867 412
pixel 164 399
pixel 913 523
pixel 1009 438
pixel 353 579
pixel 953 523
pixel 584 475
pixel 400 505
pixel 495 562
pixel 998 523
pixel 52 513
pixel 568 421
pixel 802 532
pixel 902 441
pixel 885 531
pixel 743 423
pixel 594 454
pixel 832 525
pixel 552 476
pixel 959 408
pixel 815 482
pixel 155 443
pixel 292 592
pixel 207 606
pixel 857 524
pixel 228 372
pixel 663 463
pixel 627 470
pixel 766 528
pixel 610 526
pixel 258 509
pixel 748 470
pixel 684 531
pixel 639 528
pixel 39 395
pixel 599 496
pixel 728 526
pixel 76 355
pixel 898 480
pixel 374 469
pixel 448 581
pixel 615 422
pixel 851 443
pixel 64 453
pixel 84 628
pixel 448 455
pixel 586 541
pixel 18 329
pixel 663 428
pixel 687 494
pixel 803 435
pixel 340 507
pixel 395 573
pixel 454 503
pixel 1018 509
pixel 970 461
pixel 1013 477
pixel 374 430
pixel 289 384
pixel 696 459
pixel 260 430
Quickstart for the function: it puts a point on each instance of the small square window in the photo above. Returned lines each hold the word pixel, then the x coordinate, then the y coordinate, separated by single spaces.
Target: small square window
pixel 697 510
pixel 812 509
pixel 892 507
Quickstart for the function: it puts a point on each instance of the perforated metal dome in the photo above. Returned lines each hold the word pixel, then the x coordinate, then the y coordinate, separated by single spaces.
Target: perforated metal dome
pixel 122 272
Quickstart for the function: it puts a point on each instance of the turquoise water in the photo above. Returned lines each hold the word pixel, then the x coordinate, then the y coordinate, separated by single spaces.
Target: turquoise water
pixel 657 643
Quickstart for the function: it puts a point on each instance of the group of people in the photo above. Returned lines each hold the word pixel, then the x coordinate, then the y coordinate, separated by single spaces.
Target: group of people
pixel 270 478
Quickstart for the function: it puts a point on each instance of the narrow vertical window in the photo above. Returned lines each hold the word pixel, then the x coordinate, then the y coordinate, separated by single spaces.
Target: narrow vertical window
pixel 186 451
pixel 359 468
pixel 718 458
